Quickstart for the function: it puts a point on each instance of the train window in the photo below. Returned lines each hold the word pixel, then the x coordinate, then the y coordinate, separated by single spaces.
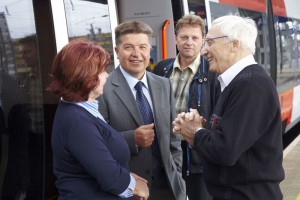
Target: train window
pixel 262 43
pixel 90 20
pixel 21 103
pixel 288 48
pixel 219 9
pixel 197 7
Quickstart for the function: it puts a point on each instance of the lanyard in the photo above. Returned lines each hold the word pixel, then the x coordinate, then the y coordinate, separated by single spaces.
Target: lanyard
pixel 200 79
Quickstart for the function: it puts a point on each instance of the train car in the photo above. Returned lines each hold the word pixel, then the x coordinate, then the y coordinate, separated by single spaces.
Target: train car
pixel 33 31
pixel 277 45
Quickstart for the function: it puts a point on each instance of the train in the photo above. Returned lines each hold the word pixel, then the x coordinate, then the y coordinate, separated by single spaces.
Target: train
pixel 33 31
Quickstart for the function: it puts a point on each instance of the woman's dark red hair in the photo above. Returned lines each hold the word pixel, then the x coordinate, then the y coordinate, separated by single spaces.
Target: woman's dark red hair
pixel 76 69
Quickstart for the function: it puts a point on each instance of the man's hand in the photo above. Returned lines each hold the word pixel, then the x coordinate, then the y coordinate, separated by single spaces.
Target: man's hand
pixel 187 124
pixel 141 190
pixel 144 135
pixel 137 177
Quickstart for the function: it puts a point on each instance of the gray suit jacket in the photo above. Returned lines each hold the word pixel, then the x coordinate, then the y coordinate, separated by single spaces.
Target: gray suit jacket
pixel 119 108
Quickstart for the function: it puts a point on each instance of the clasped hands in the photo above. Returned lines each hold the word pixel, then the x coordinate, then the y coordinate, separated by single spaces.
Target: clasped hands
pixel 186 124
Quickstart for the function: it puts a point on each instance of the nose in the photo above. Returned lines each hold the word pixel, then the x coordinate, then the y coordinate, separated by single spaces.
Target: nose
pixel 136 51
pixel 189 41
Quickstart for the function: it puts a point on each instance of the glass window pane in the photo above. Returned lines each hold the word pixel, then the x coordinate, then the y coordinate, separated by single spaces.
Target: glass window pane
pixel 21 102
pixel 90 20
pixel 288 40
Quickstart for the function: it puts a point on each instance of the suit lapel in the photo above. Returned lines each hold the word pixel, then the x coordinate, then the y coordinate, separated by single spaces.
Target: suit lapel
pixel 157 99
pixel 123 92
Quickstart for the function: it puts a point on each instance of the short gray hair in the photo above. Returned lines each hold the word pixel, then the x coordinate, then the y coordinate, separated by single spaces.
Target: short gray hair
pixel 130 27
pixel 243 29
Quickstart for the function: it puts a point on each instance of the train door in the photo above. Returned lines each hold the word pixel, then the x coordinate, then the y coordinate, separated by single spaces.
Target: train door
pixel 25 31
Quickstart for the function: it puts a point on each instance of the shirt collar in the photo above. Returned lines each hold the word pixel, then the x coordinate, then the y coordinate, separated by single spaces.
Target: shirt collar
pixel 133 81
pixel 232 71
pixel 193 66
pixel 91 107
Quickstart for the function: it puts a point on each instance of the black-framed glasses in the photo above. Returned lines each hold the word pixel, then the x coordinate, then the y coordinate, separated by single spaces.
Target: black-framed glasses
pixel 209 41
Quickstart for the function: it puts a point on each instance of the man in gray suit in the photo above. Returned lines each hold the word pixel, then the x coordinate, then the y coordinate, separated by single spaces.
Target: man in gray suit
pixel 121 108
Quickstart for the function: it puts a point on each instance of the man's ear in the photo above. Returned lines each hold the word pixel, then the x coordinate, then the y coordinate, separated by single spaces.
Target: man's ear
pixel 236 44
pixel 117 52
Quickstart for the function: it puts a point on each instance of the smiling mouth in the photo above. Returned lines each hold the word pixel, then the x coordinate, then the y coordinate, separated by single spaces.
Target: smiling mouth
pixel 135 61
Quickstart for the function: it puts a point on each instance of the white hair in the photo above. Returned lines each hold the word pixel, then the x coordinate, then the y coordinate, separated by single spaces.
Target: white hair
pixel 243 29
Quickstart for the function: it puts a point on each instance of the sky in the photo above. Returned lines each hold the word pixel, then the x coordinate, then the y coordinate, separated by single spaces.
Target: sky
pixel 19 17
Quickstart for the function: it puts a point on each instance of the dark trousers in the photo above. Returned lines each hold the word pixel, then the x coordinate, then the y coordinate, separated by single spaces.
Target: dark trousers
pixel 195 185
pixel 196 188
pixel 160 189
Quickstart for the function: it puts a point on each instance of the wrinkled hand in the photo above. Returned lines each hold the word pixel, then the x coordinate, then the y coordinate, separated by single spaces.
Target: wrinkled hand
pixel 141 190
pixel 144 135
pixel 187 124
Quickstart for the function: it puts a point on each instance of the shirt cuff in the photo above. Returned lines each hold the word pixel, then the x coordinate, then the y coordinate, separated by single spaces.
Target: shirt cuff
pixel 198 129
pixel 128 192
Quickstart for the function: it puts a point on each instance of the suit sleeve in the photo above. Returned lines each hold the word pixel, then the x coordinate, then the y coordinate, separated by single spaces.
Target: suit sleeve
pixel 128 135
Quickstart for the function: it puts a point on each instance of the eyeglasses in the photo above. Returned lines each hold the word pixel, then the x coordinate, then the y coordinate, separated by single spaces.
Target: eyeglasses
pixel 209 41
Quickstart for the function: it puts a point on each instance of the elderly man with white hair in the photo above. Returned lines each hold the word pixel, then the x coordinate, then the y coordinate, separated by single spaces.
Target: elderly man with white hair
pixel 241 145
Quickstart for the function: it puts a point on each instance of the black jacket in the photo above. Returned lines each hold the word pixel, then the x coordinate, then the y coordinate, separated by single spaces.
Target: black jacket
pixel 208 93
pixel 242 149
